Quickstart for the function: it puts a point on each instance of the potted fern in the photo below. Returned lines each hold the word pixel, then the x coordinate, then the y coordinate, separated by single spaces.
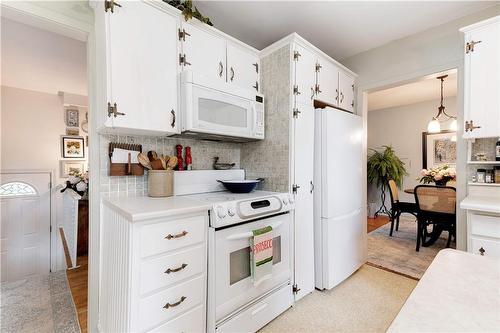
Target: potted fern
pixel 383 165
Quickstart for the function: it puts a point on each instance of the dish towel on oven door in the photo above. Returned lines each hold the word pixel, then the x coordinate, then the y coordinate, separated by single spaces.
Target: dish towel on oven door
pixel 261 258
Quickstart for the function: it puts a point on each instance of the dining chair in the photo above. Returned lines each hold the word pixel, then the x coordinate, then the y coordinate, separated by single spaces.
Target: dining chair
pixel 436 205
pixel 398 207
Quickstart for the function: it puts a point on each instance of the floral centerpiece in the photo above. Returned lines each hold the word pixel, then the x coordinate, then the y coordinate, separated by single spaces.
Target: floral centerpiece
pixel 78 182
pixel 439 175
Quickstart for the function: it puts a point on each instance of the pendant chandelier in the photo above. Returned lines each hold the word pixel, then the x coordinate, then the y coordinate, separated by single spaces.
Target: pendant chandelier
pixel 434 126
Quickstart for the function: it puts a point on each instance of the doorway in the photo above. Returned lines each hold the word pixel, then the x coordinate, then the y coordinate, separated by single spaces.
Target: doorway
pixel 399 131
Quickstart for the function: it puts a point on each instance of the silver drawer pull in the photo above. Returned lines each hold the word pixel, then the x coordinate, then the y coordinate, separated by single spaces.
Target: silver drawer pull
pixel 171 305
pixel 182 234
pixel 173 270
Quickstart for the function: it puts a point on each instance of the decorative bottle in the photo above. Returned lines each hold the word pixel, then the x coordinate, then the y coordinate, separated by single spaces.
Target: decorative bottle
pixel 180 162
pixel 497 150
pixel 188 159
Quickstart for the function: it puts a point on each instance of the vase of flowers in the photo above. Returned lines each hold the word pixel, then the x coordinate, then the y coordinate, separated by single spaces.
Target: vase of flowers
pixel 439 175
pixel 78 182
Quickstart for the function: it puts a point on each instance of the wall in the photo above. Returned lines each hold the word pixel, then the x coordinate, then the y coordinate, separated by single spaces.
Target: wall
pixel 405 59
pixel 202 153
pixel 36 64
pixel 269 158
pixel 401 127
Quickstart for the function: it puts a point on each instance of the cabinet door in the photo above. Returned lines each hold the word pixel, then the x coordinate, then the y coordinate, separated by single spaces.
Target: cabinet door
pixel 346 92
pixel 242 67
pixel 328 83
pixel 305 75
pixel 482 82
pixel 204 53
pixel 142 67
pixel 303 160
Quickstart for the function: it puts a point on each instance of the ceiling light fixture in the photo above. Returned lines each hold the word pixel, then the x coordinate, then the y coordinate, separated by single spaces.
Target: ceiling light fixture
pixel 434 126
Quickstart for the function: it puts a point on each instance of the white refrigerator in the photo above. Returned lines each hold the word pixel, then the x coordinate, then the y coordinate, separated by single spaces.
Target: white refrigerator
pixel 339 199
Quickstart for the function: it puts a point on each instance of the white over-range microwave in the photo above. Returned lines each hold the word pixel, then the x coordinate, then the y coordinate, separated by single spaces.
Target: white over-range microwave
pixel 220 110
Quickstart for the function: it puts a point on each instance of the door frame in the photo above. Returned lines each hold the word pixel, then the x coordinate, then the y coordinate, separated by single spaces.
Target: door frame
pixel 362 101
pixel 69 22
pixel 52 208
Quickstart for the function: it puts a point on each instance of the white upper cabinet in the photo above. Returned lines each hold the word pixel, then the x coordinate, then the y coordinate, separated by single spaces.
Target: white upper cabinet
pixel 305 75
pixel 327 86
pixel 242 67
pixel 346 92
pixel 202 52
pixel 482 79
pixel 140 50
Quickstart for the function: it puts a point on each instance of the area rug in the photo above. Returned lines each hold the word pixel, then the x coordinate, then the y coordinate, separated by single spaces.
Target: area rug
pixel 397 253
pixel 368 301
pixel 41 304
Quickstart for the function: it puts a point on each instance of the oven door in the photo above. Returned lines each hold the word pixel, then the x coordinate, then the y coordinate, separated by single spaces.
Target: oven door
pixel 215 112
pixel 234 286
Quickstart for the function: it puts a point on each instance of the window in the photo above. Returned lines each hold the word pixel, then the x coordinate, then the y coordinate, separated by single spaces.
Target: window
pixel 15 189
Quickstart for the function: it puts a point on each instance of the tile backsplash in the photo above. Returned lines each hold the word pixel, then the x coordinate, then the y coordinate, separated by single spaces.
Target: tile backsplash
pixel 202 152
pixel 484 146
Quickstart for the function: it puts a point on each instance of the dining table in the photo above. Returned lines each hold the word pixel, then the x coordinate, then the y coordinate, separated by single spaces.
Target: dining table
pixel 436 231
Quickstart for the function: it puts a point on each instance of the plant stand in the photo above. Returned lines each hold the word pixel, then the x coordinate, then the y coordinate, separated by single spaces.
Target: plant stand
pixel 383 209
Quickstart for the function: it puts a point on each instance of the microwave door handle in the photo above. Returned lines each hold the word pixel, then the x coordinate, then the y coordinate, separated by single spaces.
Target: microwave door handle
pixel 248 234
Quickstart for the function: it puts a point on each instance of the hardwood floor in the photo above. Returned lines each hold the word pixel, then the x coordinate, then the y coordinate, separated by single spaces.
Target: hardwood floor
pixel 78 283
pixel 376 223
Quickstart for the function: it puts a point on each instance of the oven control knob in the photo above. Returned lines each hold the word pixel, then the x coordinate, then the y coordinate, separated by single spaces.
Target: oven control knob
pixel 231 212
pixel 221 212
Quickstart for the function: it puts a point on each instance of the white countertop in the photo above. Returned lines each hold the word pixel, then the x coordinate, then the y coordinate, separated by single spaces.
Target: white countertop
pixel 459 292
pixel 490 204
pixel 139 208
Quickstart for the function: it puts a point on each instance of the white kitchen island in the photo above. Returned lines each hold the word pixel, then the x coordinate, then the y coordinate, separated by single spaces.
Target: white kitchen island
pixel 459 292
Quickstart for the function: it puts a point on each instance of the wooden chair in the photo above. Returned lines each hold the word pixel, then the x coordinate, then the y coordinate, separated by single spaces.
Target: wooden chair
pixel 398 207
pixel 437 206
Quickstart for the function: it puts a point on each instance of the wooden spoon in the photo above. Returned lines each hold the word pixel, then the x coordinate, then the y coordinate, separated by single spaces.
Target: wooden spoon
pixel 144 161
pixel 152 155
pixel 172 163
pixel 163 162
pixel 156 164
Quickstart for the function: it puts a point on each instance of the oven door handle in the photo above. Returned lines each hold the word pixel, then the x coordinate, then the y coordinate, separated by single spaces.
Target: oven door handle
pixel 249 234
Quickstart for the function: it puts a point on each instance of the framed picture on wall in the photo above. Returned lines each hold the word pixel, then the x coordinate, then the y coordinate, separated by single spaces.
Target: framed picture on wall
pixel 73 147
pixel 72 118
pixel 439 148
pixel 68 167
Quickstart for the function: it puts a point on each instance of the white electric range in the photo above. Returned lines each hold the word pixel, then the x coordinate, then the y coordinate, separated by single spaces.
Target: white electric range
pixel 234 302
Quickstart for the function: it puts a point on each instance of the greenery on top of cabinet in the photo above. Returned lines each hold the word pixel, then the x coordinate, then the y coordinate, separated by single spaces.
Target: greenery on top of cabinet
pixel 186 7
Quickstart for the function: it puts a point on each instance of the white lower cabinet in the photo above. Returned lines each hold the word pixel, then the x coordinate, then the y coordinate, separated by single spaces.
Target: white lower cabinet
pixel 154 273
pixel 484 234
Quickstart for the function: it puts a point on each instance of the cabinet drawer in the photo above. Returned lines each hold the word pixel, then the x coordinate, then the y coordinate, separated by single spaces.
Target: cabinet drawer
pixel 169 269
pixel 491 248
pixel 167 236
pixel 259 314
pixel 167 304
pixel 192 321
pixel 485 225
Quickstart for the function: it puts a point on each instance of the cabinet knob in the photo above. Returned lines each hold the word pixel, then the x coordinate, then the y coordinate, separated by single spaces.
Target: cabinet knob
pixel 337 97
pixel 318 90
pixel 110 5
pixel 221 68
pixel 313 92
pixel 256 86
pixel 182 234
pixel 173 118
pixel 469 47
pixel 171 305
pixel 341 97
pixel 469 126
pixel 482 251
pixel 231 70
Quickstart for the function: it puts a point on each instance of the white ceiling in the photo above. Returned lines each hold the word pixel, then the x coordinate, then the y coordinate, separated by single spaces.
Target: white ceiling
pixel 426 89
pixel 340 29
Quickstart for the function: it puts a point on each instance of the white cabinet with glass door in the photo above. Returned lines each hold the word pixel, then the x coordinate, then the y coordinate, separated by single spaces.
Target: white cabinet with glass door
pixel 242 67
pixel 140 81
pixel 482 79
pixel 202 51
pixel 303 187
